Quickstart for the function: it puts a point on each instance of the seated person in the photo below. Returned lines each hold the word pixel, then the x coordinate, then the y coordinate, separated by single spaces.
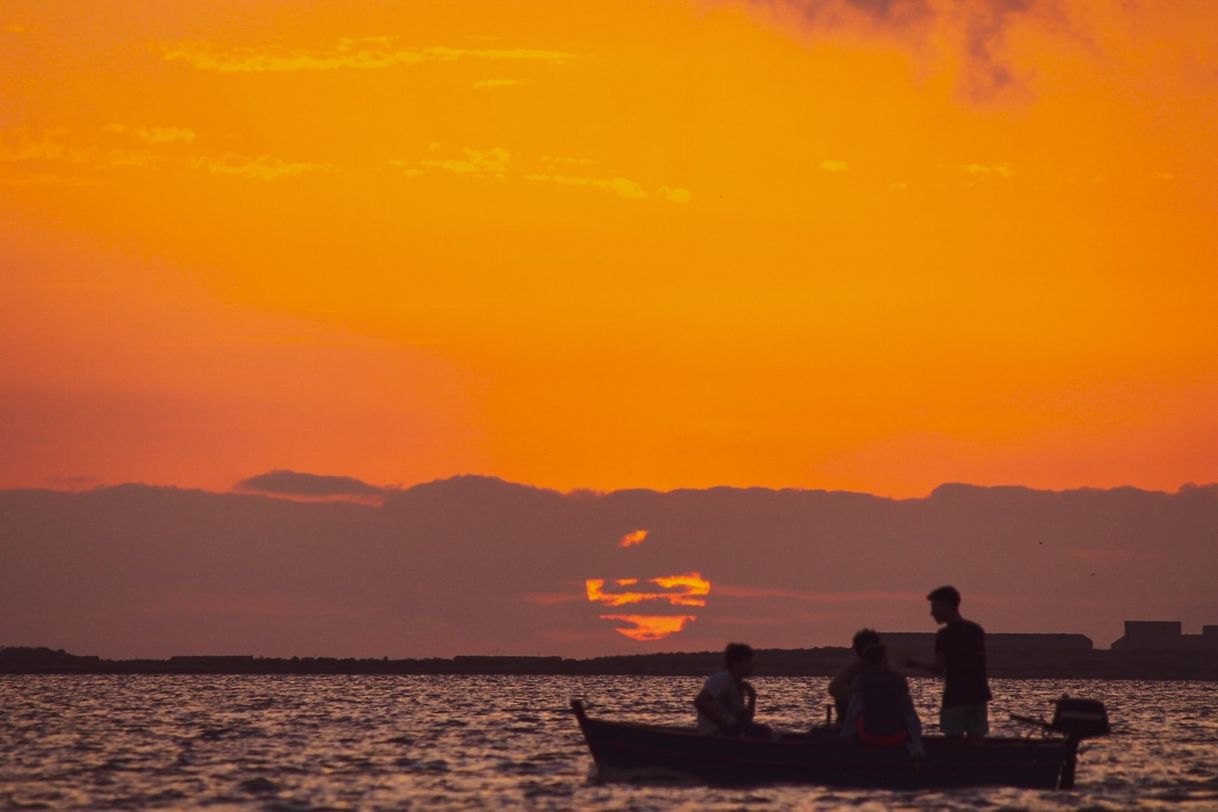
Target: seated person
pixel 727 702
pixel 841 688
pixel 881 712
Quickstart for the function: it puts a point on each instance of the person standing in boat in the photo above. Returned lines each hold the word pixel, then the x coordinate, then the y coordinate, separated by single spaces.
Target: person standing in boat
pixel 881 711
pixel 727 702
pixel 960 658
pixel 841 687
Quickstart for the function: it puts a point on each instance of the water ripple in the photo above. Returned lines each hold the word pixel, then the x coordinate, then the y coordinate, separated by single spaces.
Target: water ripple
pixel 388 742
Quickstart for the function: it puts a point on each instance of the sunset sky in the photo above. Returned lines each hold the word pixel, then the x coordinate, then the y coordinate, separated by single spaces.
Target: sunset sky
pixel 872 245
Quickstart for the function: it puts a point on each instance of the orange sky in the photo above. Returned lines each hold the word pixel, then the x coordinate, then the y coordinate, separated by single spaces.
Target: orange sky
pixel 588 244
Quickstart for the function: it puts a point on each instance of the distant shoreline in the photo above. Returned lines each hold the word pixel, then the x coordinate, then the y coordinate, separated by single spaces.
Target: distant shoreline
pixel 815 662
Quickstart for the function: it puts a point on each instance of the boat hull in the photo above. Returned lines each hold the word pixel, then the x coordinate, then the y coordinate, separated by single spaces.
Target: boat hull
pixel 625 750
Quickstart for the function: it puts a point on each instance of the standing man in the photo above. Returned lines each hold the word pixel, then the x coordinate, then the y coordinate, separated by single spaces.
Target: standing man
pixel 960 658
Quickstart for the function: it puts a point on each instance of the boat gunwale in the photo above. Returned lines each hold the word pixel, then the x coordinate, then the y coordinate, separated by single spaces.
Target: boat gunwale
pixel 1045 762
pixel 806 738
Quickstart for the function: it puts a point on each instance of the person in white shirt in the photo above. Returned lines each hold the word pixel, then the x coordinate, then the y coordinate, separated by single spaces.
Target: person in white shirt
pixel 727 702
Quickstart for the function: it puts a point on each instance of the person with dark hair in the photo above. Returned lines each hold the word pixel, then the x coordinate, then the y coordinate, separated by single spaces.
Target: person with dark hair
pixel 960 658
pixel 727 702
pixel 881 711
pixel 841 687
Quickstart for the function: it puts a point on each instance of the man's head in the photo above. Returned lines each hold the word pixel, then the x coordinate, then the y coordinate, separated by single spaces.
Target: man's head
pixel 944 604
pixel 874 656
pixel 864 638
pixel 738 657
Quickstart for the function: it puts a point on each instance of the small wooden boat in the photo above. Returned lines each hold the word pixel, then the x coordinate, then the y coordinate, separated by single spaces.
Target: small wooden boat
pixel 629 750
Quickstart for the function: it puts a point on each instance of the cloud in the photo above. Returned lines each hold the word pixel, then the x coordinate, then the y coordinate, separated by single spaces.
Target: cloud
pixel 565 160
pixel 262 167
pixel 53 147
pixel 649 627
pixel 807 596
pixel 75 483
pixel 361 54
pixel 498 163
pixel 494 162
pixel 153 135
pixel 450 567
pixel 622 187
pixel 691 587
pixel 631 539
pixel 1001 170
pixel 785 620
pixel 976 30
pixel 834 166
pixel 675 194
pixel 294 483
pixel 128 157
pixel 50 179
pixel 487 84
pixel 20 146
pixel 553 598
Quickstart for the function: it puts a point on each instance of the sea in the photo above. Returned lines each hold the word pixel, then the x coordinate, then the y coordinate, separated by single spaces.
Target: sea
pixel 511 742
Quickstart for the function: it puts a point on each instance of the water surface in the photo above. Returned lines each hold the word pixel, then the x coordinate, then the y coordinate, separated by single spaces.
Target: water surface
pixel 341 742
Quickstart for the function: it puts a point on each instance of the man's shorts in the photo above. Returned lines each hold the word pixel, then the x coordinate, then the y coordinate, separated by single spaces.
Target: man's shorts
pixel 973 719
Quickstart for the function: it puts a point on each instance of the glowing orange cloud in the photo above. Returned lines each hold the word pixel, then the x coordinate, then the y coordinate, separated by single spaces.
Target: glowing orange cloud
pixel 632 538
pixel 693 590
pixel 696 588
pixel 650 627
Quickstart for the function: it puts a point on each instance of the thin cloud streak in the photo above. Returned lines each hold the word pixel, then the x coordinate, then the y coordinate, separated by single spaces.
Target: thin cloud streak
pixel 261 167
pixel 153 135
pixel 828 598
pixel 499 164
pixel 622 187
pixel 20 147
pixel 487 84
pixel 368 53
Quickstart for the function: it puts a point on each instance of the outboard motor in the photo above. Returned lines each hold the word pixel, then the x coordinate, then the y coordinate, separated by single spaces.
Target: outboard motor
pixel 1080 718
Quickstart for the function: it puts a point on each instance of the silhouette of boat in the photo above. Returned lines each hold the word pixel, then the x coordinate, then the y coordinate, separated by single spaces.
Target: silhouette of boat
pixel 627 750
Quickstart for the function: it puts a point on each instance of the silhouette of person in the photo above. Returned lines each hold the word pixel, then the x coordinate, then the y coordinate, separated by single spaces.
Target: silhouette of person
pixel 960 658
pixel 727 702
pixel 841 687
pixel 881 711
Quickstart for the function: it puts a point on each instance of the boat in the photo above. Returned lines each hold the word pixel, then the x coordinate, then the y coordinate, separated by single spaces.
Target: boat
pixel 628 750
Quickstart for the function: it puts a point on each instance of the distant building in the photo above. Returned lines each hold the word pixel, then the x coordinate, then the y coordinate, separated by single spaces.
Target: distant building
pixel 1165 635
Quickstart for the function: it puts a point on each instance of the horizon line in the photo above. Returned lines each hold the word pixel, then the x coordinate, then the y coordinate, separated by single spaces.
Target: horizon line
pixel 373 495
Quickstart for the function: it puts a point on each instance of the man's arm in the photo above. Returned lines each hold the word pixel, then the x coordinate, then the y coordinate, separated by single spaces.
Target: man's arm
pixel 938 666
pixel 841 686
pixel 708 707
pixel 750 701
